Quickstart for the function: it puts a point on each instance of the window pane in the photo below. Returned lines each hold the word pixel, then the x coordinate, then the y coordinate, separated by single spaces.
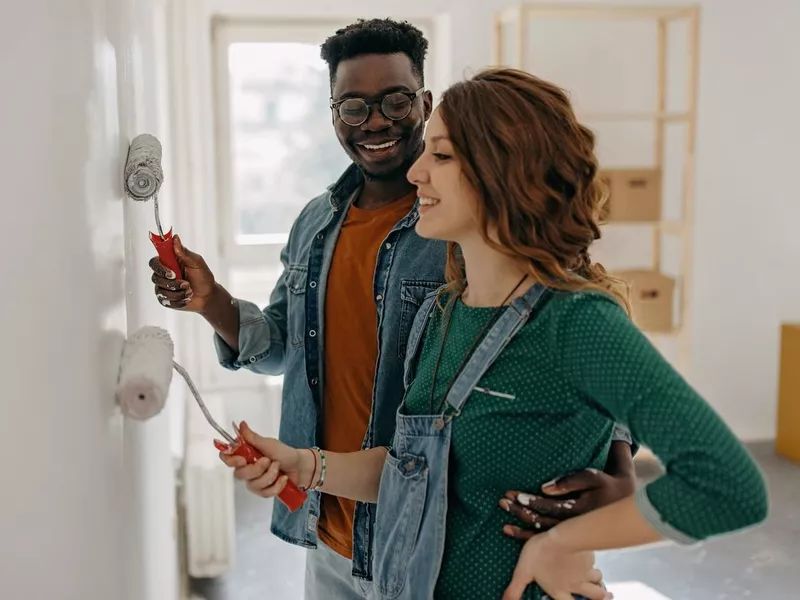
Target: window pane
pixel 284 150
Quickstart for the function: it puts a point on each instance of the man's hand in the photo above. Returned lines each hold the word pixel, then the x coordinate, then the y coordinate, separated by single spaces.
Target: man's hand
pixel 192 294
pixel 563 499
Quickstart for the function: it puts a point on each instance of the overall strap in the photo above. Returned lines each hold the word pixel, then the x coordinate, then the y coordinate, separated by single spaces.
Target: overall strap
pixel 421 321
pixel 498 337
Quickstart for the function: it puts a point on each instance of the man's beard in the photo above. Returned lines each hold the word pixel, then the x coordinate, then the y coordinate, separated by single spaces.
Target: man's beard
pixel 393 175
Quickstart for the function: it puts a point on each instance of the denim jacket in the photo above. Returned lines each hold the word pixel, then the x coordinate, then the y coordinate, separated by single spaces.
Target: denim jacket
pixel 288 337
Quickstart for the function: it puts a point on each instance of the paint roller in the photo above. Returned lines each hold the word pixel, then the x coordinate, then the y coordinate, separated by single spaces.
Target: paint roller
pixel 145 375
pixel 142 181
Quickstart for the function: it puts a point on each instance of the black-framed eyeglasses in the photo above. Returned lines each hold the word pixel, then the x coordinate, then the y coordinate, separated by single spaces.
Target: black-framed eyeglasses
pixel 395 106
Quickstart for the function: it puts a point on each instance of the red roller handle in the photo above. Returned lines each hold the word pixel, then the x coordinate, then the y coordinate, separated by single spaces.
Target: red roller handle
pixel 166 252
pixel 292 496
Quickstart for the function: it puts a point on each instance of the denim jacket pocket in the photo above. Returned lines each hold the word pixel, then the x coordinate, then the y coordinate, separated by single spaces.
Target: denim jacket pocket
pixel 412 295
pixel 296 279
pixel 401 501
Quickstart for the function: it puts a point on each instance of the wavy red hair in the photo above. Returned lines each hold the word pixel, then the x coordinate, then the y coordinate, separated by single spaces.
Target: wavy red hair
pixel 534 167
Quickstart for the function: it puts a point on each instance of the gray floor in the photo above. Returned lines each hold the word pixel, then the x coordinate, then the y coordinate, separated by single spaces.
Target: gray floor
pixel 759 564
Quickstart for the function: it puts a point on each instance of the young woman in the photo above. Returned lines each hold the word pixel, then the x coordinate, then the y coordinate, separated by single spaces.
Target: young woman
pixel 517 371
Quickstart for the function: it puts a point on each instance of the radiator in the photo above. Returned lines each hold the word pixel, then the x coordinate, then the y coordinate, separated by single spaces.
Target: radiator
pixel 208 497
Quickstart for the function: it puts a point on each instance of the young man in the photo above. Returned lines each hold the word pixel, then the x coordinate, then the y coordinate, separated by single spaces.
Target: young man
pixel 355 273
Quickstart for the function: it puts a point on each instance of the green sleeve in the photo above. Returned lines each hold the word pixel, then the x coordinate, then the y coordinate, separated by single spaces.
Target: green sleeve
pixel 712 485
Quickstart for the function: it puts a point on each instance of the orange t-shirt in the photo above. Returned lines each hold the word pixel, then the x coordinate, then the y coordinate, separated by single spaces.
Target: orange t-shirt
pixel 351 350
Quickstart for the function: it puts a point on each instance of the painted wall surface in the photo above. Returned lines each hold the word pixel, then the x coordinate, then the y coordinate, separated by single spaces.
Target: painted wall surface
pixel 87 499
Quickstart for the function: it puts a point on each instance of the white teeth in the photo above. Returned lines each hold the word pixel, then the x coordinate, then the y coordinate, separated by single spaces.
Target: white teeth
pixel 379 146
pixel 428 201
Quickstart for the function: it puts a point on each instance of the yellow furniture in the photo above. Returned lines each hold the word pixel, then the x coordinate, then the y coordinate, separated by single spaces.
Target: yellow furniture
pixel 787 442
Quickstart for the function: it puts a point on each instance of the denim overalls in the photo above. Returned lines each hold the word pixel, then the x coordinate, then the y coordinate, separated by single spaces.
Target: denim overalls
pixel 412 503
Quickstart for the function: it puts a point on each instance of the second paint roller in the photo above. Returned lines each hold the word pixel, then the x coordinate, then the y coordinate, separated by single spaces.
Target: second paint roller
pixel 145 375
pixel 143 178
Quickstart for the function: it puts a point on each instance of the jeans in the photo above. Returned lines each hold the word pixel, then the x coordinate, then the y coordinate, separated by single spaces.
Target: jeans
pixel 329 577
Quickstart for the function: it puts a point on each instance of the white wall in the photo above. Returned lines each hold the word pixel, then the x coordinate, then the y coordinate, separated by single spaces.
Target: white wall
pixel 744 276
pixel 87 500
pixel 149 466
pixel 747 244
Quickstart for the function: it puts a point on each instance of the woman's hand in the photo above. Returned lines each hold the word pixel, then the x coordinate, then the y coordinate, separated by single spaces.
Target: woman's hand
pixel 557 570
pixel 264 477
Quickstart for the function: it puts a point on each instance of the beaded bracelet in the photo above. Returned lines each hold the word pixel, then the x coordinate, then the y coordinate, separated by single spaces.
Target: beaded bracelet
pixel 324 467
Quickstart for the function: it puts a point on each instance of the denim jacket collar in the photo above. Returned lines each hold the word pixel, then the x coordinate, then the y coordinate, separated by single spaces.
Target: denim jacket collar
pixel 344 187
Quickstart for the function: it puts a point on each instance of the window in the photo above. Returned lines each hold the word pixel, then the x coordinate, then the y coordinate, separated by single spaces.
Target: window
pixel 276 148
pixel 283 149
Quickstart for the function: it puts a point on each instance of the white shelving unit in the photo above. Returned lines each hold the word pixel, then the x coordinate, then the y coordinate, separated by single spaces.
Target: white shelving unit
pixel 514 47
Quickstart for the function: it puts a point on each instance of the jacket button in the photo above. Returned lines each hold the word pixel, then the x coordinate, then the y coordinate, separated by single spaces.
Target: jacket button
pixel 252 359
pixel 312 333
pixel 314 381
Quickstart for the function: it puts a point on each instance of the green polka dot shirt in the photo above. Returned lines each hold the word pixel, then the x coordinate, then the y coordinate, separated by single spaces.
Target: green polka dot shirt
pixel 547 407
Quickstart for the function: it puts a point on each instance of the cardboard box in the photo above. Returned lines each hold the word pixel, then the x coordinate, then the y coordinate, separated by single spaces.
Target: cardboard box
pixel 634 195
pixel 787 440
pixel 652 299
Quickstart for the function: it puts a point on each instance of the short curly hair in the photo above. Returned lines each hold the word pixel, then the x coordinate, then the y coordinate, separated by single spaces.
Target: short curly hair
pixel 376 36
